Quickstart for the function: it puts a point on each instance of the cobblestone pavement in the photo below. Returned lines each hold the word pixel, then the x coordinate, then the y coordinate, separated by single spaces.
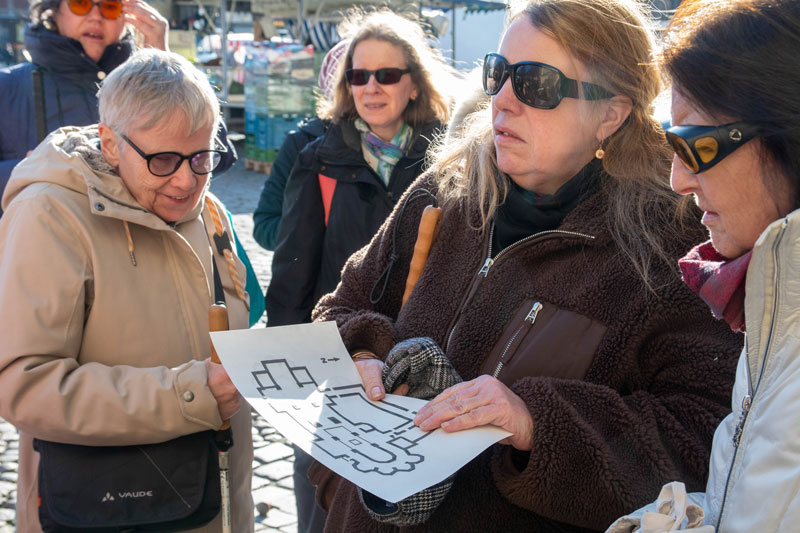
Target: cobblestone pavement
pixel 239 189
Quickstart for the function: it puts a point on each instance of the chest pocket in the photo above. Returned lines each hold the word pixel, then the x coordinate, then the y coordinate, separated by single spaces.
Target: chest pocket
pixel 544 340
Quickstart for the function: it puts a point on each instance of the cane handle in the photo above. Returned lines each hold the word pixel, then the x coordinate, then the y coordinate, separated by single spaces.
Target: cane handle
pixel 218 321
pixel 429 225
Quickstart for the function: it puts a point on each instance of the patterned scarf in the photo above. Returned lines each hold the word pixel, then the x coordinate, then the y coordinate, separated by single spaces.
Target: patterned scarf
pixel 382 156
pixel 719 281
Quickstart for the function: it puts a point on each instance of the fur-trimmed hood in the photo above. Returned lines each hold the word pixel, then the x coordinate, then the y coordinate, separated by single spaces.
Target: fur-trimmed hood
pixel 71 157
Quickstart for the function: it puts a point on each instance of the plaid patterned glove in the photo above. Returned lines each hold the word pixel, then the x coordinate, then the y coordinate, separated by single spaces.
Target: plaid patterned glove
pixel 422 365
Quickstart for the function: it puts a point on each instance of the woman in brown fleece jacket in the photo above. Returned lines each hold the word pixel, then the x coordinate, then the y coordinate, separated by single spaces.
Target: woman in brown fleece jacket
pixel 552 287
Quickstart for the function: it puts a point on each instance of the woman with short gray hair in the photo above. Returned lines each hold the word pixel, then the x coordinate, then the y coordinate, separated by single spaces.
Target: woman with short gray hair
pixel 108 274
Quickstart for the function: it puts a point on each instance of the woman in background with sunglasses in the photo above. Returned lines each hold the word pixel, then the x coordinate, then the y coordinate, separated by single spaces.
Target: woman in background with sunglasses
pixel 736 135
pixel 74 44
pixel 389 101
pixel 552 288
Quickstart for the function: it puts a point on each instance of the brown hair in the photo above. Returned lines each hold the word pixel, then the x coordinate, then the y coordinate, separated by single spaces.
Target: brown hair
pixel 738 58
pixel 428 70
pixel 42 14
pixel 610 37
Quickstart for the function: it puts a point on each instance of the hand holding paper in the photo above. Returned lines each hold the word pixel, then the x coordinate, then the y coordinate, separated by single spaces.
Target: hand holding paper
pixel 302 381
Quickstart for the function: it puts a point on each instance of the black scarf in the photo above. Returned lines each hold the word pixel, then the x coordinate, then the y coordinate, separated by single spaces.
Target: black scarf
pixel 525 213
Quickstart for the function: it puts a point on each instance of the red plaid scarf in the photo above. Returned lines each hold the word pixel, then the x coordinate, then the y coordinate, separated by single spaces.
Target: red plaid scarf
pixel 719 281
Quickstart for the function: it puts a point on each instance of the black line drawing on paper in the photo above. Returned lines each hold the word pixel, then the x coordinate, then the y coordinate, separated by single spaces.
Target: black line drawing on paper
pixel 345 429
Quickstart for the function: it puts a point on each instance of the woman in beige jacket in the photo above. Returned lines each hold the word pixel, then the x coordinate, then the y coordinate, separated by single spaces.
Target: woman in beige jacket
pixel 106 280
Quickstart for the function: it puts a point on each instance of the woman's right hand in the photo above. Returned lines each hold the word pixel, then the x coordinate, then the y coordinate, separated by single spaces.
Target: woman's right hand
pixel 228 398
pixel 153 27
pixel 371 371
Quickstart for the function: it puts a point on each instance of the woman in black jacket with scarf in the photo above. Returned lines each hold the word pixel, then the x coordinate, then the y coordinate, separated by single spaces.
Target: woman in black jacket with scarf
pixel 387 106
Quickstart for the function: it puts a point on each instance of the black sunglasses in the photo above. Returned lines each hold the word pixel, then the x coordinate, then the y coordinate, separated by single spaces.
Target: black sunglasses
pixel 384 76
pixel 163 164
pixel 536 84
pixel 701 147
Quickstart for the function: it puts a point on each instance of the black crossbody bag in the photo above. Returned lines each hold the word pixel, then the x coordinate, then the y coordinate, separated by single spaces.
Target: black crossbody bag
pixel 164 487
pixel 170 486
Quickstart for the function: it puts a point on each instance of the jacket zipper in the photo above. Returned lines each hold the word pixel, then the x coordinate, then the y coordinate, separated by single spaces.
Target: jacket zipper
pixel 747 401
pixel 527 324
pixel 483 273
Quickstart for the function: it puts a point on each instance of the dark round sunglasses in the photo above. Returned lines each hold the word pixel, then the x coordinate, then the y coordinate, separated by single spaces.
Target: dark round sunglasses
pixel 701 147
pixel 110 9
pixel 384 76
pixel 536 84
pixel 163 164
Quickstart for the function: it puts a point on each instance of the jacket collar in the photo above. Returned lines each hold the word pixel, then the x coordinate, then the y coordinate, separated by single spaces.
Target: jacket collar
pixel 770 308
pixel 66 56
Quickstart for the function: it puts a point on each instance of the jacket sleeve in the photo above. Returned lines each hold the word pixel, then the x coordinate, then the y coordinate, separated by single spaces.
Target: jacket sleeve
pixel 614 450
pixel 298 253
pixel 362 324
pixel 267 216
pixel 252 285
pixel 45 286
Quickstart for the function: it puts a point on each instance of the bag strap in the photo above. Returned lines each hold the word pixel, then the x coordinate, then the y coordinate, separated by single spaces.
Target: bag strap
pixel 219 294
pixel 379 287
pixel 222 244
pixel 39 104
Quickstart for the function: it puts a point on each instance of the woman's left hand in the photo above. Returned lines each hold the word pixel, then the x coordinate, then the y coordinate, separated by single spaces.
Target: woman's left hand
pixel 484 400
pixel 153 27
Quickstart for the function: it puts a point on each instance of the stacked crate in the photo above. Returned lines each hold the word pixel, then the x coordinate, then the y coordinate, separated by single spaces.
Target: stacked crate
pixel 280 81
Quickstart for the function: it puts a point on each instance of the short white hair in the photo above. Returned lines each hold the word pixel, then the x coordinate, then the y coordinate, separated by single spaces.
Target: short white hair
pixel 150 86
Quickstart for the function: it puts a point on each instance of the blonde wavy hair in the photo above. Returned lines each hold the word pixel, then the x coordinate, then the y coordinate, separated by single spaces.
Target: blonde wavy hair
pixel 429 71
pixel 611 38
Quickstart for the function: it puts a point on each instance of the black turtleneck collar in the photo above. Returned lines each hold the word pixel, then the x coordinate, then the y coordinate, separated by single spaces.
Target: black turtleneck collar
pixel 525 213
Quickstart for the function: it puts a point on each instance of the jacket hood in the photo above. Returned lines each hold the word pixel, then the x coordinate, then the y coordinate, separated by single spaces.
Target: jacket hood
pixel 66 56
pixel 71 158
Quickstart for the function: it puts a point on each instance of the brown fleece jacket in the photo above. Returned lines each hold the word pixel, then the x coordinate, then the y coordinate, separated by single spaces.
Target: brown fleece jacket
pixel 625 387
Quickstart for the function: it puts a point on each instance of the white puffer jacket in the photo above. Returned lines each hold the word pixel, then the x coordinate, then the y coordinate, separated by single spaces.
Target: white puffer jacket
pixel 754 474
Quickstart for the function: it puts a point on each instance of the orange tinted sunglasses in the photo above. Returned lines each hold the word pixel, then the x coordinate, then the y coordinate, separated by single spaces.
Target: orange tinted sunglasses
pixel 109 9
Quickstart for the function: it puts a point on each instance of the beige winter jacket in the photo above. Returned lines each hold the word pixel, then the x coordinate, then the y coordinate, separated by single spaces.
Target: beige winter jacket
pixel 96 350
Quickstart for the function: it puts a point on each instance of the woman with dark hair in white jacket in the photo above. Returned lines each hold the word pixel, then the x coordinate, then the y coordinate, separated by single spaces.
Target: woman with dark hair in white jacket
pixel 736 134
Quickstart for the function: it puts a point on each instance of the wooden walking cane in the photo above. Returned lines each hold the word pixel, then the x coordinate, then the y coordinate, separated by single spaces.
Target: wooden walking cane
pixel 218 321
pixel 429 225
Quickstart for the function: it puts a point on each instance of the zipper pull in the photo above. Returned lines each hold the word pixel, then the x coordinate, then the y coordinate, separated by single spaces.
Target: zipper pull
pixel 486 266
pixel 531 317
pixel 737 435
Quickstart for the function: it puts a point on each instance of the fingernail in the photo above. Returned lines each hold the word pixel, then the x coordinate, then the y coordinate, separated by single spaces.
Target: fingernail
pixel 376 391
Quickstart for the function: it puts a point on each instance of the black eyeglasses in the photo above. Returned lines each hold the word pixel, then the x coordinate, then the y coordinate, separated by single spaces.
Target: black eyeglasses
pixel 701 147
pixel 536 84
pixel 384 76
pixel 163 164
